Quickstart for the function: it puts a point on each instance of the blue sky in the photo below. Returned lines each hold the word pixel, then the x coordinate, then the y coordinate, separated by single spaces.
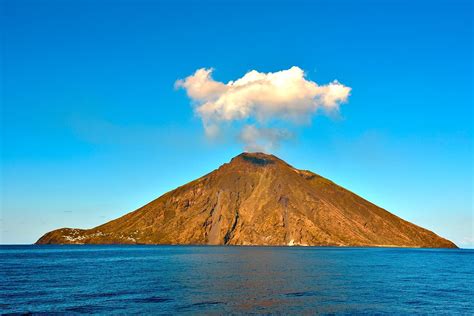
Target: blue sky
pixel 92 126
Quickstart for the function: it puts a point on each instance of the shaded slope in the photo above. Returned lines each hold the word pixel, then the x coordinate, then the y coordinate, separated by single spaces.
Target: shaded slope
pixel 257 199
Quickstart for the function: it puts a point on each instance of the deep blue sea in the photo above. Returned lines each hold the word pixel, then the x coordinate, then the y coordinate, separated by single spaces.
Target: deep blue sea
pixel 219 280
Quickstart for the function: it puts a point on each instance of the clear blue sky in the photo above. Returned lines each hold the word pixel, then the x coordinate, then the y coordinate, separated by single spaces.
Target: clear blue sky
pixel 92 127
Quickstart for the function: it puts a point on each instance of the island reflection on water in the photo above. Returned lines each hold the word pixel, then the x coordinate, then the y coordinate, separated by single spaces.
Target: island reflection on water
pixel 213 279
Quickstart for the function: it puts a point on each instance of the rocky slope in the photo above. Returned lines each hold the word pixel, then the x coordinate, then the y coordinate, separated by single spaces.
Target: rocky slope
pixel 256 199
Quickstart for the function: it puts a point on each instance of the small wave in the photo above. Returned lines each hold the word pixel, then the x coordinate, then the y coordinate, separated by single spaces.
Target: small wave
pixel 199 305
pixel 87 309
pixel 207 303
pixel 153 299
pixel 301 294
pixel 103 294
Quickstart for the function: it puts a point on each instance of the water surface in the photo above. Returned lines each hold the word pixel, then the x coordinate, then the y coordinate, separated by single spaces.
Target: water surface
pixel 216 280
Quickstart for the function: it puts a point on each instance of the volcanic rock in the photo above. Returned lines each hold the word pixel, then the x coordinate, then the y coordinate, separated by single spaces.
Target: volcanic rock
pixel 257 199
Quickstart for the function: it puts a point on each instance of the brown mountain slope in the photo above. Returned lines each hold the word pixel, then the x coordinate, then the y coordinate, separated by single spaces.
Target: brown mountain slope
pixel 256 199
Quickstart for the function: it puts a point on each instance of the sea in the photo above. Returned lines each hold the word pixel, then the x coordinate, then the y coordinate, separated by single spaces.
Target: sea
pixel 216 280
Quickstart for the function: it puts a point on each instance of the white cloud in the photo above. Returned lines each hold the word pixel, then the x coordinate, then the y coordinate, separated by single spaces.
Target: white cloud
pixel 263 139
pixel 284 95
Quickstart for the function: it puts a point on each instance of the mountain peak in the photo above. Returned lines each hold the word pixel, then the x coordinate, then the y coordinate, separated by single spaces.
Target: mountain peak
pixel 255 158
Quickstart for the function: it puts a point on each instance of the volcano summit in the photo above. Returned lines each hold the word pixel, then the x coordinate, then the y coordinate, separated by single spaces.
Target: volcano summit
pixel 257 199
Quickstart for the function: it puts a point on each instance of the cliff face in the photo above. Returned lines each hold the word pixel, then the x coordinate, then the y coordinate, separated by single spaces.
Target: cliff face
pixel 256 199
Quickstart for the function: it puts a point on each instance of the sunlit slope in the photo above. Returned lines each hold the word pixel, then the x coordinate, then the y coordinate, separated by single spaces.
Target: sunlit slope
pixel 256 199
